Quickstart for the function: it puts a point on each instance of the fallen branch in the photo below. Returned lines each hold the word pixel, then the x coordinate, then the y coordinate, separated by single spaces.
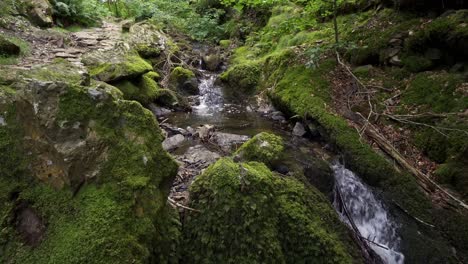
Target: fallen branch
pixel 176 204
pixel 425 182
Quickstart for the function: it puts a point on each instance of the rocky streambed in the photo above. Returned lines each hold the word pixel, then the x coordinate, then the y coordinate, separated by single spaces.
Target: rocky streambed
pixel 218 124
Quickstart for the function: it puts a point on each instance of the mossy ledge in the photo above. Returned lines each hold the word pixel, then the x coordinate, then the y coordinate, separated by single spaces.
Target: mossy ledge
pixel 96 177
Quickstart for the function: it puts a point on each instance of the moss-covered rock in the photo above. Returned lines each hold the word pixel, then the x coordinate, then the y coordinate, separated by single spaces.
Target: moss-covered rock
pixel 264 147
pixel 143 89
pixel 243 76
pixel 65 166
pixel 250 215
pixel 39 12
pixel 115 66
pixel 147 40
pixel 8 48
pixel 184 81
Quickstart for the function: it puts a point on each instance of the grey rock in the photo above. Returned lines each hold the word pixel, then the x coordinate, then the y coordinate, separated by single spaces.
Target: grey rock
pixel 212 62
pixel 200 154
pixel 396 42
pixel 2 121
pixel 204 132
pixel 159 111
pixel 392 52
pixel 173 142
pixel 299 130
pixel 191 86
pixel 395 60
pixel 227 141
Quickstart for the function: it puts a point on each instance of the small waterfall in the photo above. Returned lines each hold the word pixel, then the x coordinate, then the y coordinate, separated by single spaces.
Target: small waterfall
pixel 211 95
pixel 368 215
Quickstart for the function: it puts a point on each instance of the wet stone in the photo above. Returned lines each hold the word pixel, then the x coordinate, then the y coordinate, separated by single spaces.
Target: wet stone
pixel 173 142
pixel 299 130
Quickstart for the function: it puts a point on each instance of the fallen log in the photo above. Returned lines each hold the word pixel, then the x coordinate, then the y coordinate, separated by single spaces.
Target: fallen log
pixel 427 184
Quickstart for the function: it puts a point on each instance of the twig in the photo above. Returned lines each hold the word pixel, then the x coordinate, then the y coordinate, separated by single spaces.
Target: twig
pixel 176 204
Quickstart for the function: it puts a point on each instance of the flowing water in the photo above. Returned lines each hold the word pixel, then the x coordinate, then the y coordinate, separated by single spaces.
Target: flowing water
pixel 368 214
pixel 234 114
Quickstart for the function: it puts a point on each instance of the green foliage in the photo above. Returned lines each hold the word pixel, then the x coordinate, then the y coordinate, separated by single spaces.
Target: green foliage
pixel 250 215
pixel 83 12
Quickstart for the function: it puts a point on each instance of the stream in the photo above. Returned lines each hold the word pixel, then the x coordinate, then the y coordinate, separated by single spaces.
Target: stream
pixel 236 115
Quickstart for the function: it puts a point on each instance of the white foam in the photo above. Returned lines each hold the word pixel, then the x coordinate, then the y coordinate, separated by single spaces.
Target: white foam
pixel 369 215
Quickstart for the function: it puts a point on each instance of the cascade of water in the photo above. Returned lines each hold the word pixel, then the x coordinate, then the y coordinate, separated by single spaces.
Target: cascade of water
pixel 368 214
pixel 211 97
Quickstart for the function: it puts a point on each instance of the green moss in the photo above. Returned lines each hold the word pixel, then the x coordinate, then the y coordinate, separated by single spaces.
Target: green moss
pixel 225 43
pixel 242 76
pixel 455 174
pixel 59 70
pixel 180 75
pixel 447 31
pixel 119 215
pixel 143 89
pixel 416 63
pixel 12 48
pixel 131 66
pixel 435 92
pixel 250 215
pixel 264 147
pixel 166 97
pixel 147 51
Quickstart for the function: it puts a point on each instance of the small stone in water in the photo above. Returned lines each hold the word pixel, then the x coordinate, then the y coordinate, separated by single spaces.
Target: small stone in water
pixel 299 130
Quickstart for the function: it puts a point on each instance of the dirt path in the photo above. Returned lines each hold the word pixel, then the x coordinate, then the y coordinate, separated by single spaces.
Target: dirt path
pixel 45 47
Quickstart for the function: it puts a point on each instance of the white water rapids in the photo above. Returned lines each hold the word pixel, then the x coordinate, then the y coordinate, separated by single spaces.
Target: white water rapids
pixel 368 214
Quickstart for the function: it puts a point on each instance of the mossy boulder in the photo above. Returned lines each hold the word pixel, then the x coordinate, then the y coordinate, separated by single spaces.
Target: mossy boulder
pixel 250 215
pixel 184 81
pixel 143 89
pixel 8 48
pixel 264 147
pixel 39 12
pixel 113 66
pixel 65 170
pixel 244 76
pixel 147 40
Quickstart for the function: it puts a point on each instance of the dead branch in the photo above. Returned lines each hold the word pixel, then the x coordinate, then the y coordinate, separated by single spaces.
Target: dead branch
pixel 176 204
pixel 424 181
